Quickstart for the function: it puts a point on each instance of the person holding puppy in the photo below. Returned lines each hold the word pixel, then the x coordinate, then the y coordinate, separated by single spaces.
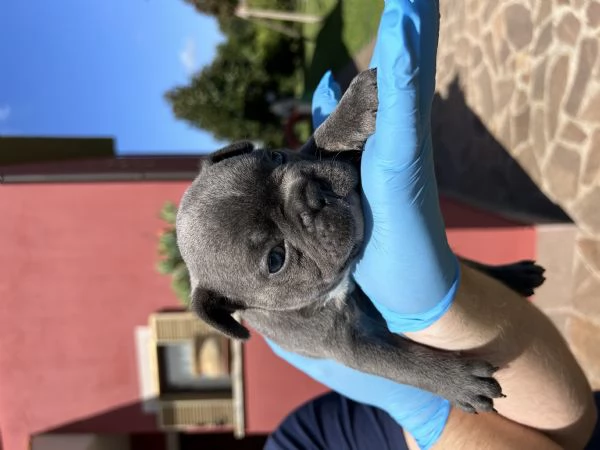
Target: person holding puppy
pixel 413 278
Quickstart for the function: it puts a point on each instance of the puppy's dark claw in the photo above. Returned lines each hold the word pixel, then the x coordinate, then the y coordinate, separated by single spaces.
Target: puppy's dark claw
pixel 475 387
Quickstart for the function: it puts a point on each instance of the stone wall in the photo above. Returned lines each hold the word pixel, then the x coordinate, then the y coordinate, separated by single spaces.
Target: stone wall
pixel 517 119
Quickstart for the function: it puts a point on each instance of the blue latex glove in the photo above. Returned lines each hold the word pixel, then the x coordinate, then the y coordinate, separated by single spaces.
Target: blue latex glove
pixel 421 413
pixel 407 267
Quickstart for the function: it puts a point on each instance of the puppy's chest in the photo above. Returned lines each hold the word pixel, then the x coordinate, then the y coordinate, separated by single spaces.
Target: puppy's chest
pixel 348 306
pixel 342 291
pixel 349 299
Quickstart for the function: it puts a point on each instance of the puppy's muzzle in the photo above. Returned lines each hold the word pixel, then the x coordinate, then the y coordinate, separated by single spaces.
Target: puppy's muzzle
pixel 310 198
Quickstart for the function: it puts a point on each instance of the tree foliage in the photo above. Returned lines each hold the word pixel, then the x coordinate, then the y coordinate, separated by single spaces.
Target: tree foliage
pixel 170 261
pixel 230 97
pixel 216 8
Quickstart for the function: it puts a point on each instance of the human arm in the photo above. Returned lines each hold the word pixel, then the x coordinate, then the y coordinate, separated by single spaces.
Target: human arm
pixel 486 432
pixel 545 387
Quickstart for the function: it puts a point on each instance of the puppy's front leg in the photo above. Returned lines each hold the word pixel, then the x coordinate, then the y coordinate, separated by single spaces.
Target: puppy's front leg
pixel 353 121
pixel 466 383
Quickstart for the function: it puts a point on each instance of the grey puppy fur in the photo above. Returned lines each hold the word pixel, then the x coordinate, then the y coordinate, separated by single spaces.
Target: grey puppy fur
pixel 273 235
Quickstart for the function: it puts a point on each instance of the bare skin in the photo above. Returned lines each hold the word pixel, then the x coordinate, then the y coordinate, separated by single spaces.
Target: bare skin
pixel 487 432
pixel 545 387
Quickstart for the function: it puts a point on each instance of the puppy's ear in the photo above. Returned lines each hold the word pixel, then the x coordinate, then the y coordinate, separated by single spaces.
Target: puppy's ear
pixel 216 311
pixel 235 149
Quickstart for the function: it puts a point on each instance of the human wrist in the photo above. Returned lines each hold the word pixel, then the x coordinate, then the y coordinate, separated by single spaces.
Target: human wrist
pixel 402 323
pixel 407 265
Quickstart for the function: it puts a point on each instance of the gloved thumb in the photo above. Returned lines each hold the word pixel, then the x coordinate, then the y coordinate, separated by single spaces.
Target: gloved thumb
pixel 325 99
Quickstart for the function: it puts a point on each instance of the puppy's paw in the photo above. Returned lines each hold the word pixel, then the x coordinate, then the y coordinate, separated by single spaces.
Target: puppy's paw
pixel 470 385
pixel 361 103
pixel 522 277
pixel 351 124
pixel 361 95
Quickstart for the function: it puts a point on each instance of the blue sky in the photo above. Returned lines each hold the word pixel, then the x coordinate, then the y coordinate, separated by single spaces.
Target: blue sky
pixel 100 68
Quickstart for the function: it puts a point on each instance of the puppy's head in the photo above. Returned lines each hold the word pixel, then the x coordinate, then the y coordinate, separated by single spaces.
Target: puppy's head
pixel 268 230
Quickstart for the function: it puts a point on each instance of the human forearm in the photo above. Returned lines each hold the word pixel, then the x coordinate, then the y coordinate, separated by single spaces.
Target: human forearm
pixel 487 432
pixel 545 387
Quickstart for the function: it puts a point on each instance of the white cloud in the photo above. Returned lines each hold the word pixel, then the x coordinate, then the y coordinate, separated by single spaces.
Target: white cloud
pixel 4 112
pixel 187 56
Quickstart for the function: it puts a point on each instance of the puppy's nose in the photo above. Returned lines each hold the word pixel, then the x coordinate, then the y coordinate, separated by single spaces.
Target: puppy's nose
pixel 305 197
pixel 315 195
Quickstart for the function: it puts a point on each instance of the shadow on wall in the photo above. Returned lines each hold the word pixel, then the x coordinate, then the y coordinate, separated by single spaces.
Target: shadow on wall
pixel 130 419
pixel 330 54
pixel 124 418
pixel 473 166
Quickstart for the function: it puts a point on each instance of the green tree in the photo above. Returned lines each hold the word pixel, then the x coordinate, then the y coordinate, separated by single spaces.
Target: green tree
pixel 216 8
pixel 229 100
pixel 170 261
pixel 230 97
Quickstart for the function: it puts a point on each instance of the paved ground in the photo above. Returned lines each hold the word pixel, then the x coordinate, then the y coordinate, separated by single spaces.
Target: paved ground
pixel 517 127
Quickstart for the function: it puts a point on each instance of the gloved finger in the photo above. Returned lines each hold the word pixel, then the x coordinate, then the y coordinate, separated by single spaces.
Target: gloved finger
pixel 398 128
pixel 399 52
pixel 375 57
pixel 325 99
pixel 429 11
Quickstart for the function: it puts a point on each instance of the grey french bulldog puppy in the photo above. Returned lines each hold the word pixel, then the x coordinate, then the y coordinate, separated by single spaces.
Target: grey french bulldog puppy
pixel 273 235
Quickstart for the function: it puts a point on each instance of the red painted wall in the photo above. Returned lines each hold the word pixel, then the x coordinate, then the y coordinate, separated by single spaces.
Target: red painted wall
pixel 77 275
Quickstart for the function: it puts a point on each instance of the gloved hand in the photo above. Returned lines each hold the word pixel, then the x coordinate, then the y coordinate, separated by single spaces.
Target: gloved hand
pixel 407 267
pixel 421 413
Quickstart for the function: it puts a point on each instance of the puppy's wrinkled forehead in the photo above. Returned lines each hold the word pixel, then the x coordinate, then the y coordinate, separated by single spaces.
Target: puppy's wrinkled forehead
pixel 223 213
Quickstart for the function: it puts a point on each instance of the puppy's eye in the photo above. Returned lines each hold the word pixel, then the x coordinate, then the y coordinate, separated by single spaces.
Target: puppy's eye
pixel 278 158
pixel 275 259
pixel 324 186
